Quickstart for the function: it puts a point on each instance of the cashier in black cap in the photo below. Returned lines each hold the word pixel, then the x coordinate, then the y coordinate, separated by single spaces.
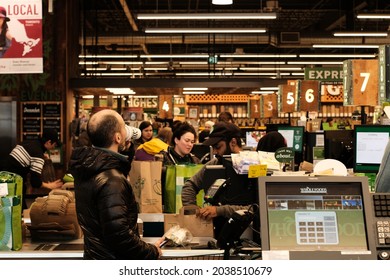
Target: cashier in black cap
pixel 225 139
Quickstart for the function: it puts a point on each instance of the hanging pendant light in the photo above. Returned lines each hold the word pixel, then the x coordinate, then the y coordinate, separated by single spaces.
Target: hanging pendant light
pixel 222 2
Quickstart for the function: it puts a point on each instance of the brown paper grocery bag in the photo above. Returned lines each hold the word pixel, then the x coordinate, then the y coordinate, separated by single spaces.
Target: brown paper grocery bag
pixel 145 179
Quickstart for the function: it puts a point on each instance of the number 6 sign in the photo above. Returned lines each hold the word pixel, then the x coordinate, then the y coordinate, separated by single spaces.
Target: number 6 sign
pixel 309 96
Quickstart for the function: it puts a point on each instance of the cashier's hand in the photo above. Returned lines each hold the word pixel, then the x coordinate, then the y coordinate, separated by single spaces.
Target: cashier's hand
pixel 53 185
pixel 207 212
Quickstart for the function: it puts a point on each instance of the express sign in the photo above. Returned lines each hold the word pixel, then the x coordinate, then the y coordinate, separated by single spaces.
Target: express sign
pixel 324 74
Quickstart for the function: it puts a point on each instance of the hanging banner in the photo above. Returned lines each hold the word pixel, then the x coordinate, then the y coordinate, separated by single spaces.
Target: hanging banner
pixel 309 96
pixel 270 105
pixel 289 96
pixel 361 82
pixel 21 43
pixel 254 103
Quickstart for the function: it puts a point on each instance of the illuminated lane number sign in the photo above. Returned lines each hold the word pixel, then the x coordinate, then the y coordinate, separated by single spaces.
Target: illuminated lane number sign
pixel 270 105
pixel 254 108
pixel 309 96
pixel 365 79
pixel 288 98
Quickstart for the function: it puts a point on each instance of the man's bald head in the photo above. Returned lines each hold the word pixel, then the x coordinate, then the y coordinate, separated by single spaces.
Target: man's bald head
pixel 102 127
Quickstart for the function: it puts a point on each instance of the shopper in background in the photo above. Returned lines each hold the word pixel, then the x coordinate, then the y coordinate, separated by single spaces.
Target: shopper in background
pixel 183 139
pixel 151 149
pixel 271 141
pixel 105 203
pixel 225 140
pixel 28 158
pixel 156 127
pixel 383 178
pixel 225 117
pixel 204 134
pixel 146 134
pixel 209 125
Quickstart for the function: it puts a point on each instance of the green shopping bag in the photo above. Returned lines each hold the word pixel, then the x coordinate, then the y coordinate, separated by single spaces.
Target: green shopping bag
pixel 176 176
pixel 11 189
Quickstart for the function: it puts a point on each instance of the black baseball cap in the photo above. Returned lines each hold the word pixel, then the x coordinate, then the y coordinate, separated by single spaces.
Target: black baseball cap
pixel 51 134
pixel 222 131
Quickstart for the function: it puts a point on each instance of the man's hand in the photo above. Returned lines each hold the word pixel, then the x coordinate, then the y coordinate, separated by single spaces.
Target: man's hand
pixel 158 245
pixel 207 212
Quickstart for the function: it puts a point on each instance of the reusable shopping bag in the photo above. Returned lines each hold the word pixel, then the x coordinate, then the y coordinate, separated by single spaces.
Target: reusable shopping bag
pixel 11 190
pixel 176 176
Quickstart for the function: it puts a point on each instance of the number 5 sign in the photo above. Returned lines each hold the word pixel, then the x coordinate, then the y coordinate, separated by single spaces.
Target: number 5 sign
pixel 309 96
pixel 361 82
pixel 289 102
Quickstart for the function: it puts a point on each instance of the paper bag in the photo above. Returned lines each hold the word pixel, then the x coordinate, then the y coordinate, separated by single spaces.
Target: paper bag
pixel 187 219
pixel 145 179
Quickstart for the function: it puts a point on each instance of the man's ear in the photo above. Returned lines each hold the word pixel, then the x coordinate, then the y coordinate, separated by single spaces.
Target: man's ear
pixel 233 143
pixel 118 137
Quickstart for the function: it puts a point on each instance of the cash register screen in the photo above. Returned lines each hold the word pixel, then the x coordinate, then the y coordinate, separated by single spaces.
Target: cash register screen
pixel 315 214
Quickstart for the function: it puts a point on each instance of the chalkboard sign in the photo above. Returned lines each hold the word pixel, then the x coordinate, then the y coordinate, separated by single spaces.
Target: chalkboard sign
pixel 51 110
pixel 52 123
pixel 30 136
pixel 31 110
pixel 37 116
pixel 32 125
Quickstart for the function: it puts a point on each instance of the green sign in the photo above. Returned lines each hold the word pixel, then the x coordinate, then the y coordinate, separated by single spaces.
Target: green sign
pixel 324 73
pixel 284 154
pixel 213 59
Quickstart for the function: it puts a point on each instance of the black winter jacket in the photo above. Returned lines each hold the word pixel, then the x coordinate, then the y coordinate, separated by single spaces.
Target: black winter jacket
pixel 106 207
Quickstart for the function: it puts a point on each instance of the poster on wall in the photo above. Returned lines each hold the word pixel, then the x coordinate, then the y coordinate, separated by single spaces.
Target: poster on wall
pixel 21 43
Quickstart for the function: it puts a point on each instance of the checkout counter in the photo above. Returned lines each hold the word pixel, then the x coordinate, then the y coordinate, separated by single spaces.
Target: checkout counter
pixel 73 250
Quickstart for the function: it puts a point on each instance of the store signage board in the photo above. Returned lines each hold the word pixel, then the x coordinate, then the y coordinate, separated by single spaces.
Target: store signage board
pixel 361 82
pixel 32 125
pixel 31 110
pixel 324 73
pixel 255 108
pixel 309 96
pixel 25 54
pixel 51 110
pixel 284 154
pixel 270 105
pixel 384 74
pixel 331 92
pixel 289 97
pixel 37 116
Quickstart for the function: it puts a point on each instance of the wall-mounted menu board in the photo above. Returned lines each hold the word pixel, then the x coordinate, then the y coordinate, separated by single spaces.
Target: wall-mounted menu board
pixel 36 116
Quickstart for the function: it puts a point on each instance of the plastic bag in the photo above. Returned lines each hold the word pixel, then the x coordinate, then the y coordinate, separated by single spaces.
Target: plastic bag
pixel 178 236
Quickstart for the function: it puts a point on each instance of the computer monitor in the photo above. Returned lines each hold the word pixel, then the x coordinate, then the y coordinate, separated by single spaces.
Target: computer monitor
pixel 294 136
pixel 252 138
pixel 308 217
pixel 339 145
pixel 370 143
